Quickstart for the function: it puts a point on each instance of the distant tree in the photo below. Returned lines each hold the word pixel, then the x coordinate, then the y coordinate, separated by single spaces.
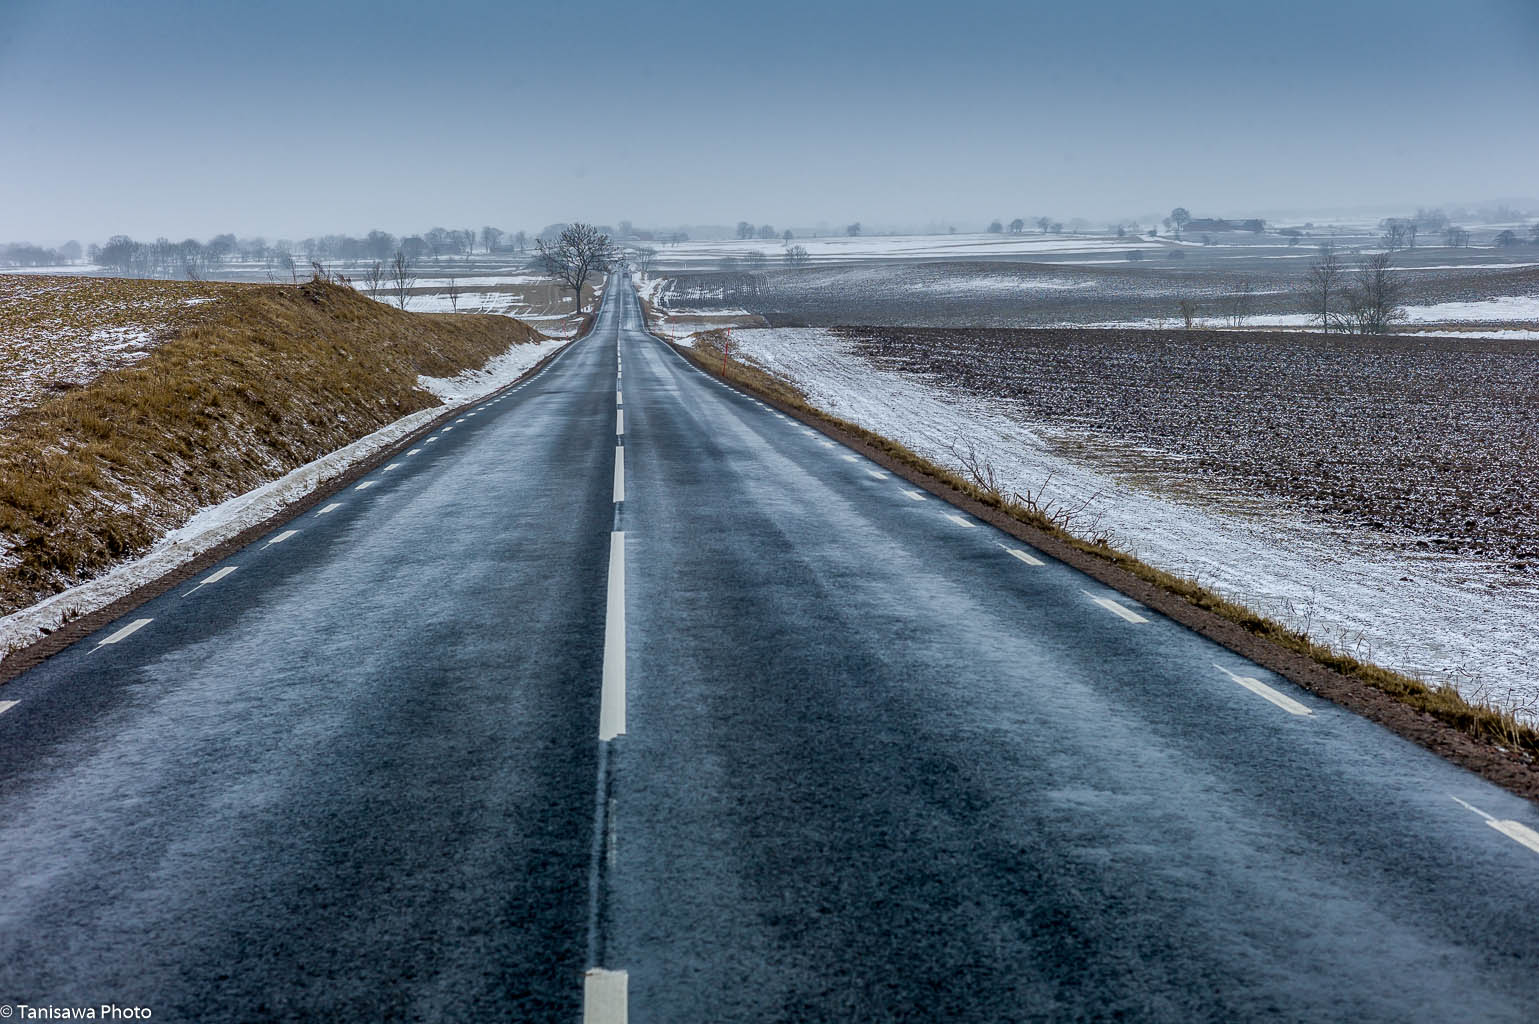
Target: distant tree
pixel 70 251
pixel 754 259
pixel 1456 237
pixel 1240 303
pixel 786 238
pixel 1505 239
pixel 581 251
pixel 120 253
pixel 379 245
pixel 1323 286
pixel 374 278
pixel 1179 219
pixel 402 278
pixel 452 289
pixel 520 241
pixel 1188 310
pixel 796 255
pixel 1017 226
pixel 1373 300
pixel 995 227
pixel 490 238
pixel 1395 232
pixel 766 232
pixel 1044 223
pixel 438 241
pixel 220 247
pixel 644 257
pixel 1057 227
pixel 415 247
pixel 853 230
pixel 1122 232
pixel 744 229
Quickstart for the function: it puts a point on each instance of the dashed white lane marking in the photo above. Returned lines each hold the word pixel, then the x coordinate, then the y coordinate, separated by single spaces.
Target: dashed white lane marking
pixel 619 421
pixel 393 465
pixel 414 451
pixel 1029 559
pixel 430 440
pixel 1261 689
pixel 915 495
pixel 1115 608
pixel 330 508
pixel 364 486
pixel 460 420
pixel 1514 830
pixel 447 429
pixel 612 692
pixel 619 474
pixel 126 632
pixel 851 458
pixel 6 705
pixel 214 578
pixel 829 444
pixel 285 535
pixel 877 473
pixel 604 996
pixel 619 398
pixel 959 520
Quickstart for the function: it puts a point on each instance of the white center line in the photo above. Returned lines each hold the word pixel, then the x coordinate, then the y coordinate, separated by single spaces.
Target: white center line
pixel 393 465
pixel 915 495
pixel 619 421
pixel 447 429
pixel 612 692
pixel 877 473
pixel 1023 556
pixel 829 444
pixel 619 474
pixel 414 451
pixel 330 508
pixel 6 705
pixel 365 485
pixel 215 578
pixel 430 440
pixel 604 996
pixel 285 535
pixel 1514 830
pixel 851 458
pixel 127 631
pixel 460 420
pixel 1115 608
pixel 1261 689
pixel 959 520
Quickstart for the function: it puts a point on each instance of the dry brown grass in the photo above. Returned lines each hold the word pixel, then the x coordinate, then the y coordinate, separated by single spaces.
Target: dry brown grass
pixel 1444 703
pixel 268 378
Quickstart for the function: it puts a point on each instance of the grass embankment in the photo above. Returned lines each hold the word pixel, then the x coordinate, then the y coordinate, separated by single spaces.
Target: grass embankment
pixel 269 378
pixel 1442 703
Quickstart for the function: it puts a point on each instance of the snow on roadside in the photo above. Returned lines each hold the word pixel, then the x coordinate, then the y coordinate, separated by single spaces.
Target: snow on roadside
pixel 1444 620
pixel 216 524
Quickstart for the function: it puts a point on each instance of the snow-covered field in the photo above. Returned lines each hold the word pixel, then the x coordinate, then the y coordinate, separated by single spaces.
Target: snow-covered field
pixel 212 526
pixel 1522 309
pixel 1444 620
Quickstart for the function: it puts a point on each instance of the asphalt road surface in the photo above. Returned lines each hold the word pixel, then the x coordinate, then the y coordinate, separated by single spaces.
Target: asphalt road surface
pixel 624 694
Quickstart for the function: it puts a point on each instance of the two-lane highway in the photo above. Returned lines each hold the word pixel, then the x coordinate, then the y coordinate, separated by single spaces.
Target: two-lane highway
pixel 627 695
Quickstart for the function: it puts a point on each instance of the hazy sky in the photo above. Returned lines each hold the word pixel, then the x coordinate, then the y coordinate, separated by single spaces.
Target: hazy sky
pixel 296 118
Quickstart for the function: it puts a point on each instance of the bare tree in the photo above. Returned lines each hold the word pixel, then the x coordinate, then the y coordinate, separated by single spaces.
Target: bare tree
pixel 644 257
pixel 1188 309
pixel 796 255
pixel 1373 301
pixel 1396 231
pixel 1043 224
pixel 452 289
pixel 1240 303
pixel 374 278
pixel 491 237
pixel 1323 285
pixel 402 278
pixel 580 251
pixel 1179 219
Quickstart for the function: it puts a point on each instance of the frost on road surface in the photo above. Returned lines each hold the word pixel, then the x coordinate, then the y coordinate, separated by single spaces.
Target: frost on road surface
pixel 1470 631
pixel 216 524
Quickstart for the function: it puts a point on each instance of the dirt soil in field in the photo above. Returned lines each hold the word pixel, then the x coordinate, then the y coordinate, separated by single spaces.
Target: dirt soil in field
pixel 1427 444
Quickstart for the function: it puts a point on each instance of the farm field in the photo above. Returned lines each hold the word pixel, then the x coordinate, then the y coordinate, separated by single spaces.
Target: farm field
pixel 1376 494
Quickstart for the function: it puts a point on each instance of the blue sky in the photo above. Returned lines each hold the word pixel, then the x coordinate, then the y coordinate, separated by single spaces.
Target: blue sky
pixel 287 119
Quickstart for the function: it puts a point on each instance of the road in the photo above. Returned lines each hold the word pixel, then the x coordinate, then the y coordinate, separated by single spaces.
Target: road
pixel 625 694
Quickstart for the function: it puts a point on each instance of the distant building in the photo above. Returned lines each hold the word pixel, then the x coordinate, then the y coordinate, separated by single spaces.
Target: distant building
pixel 1212 224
